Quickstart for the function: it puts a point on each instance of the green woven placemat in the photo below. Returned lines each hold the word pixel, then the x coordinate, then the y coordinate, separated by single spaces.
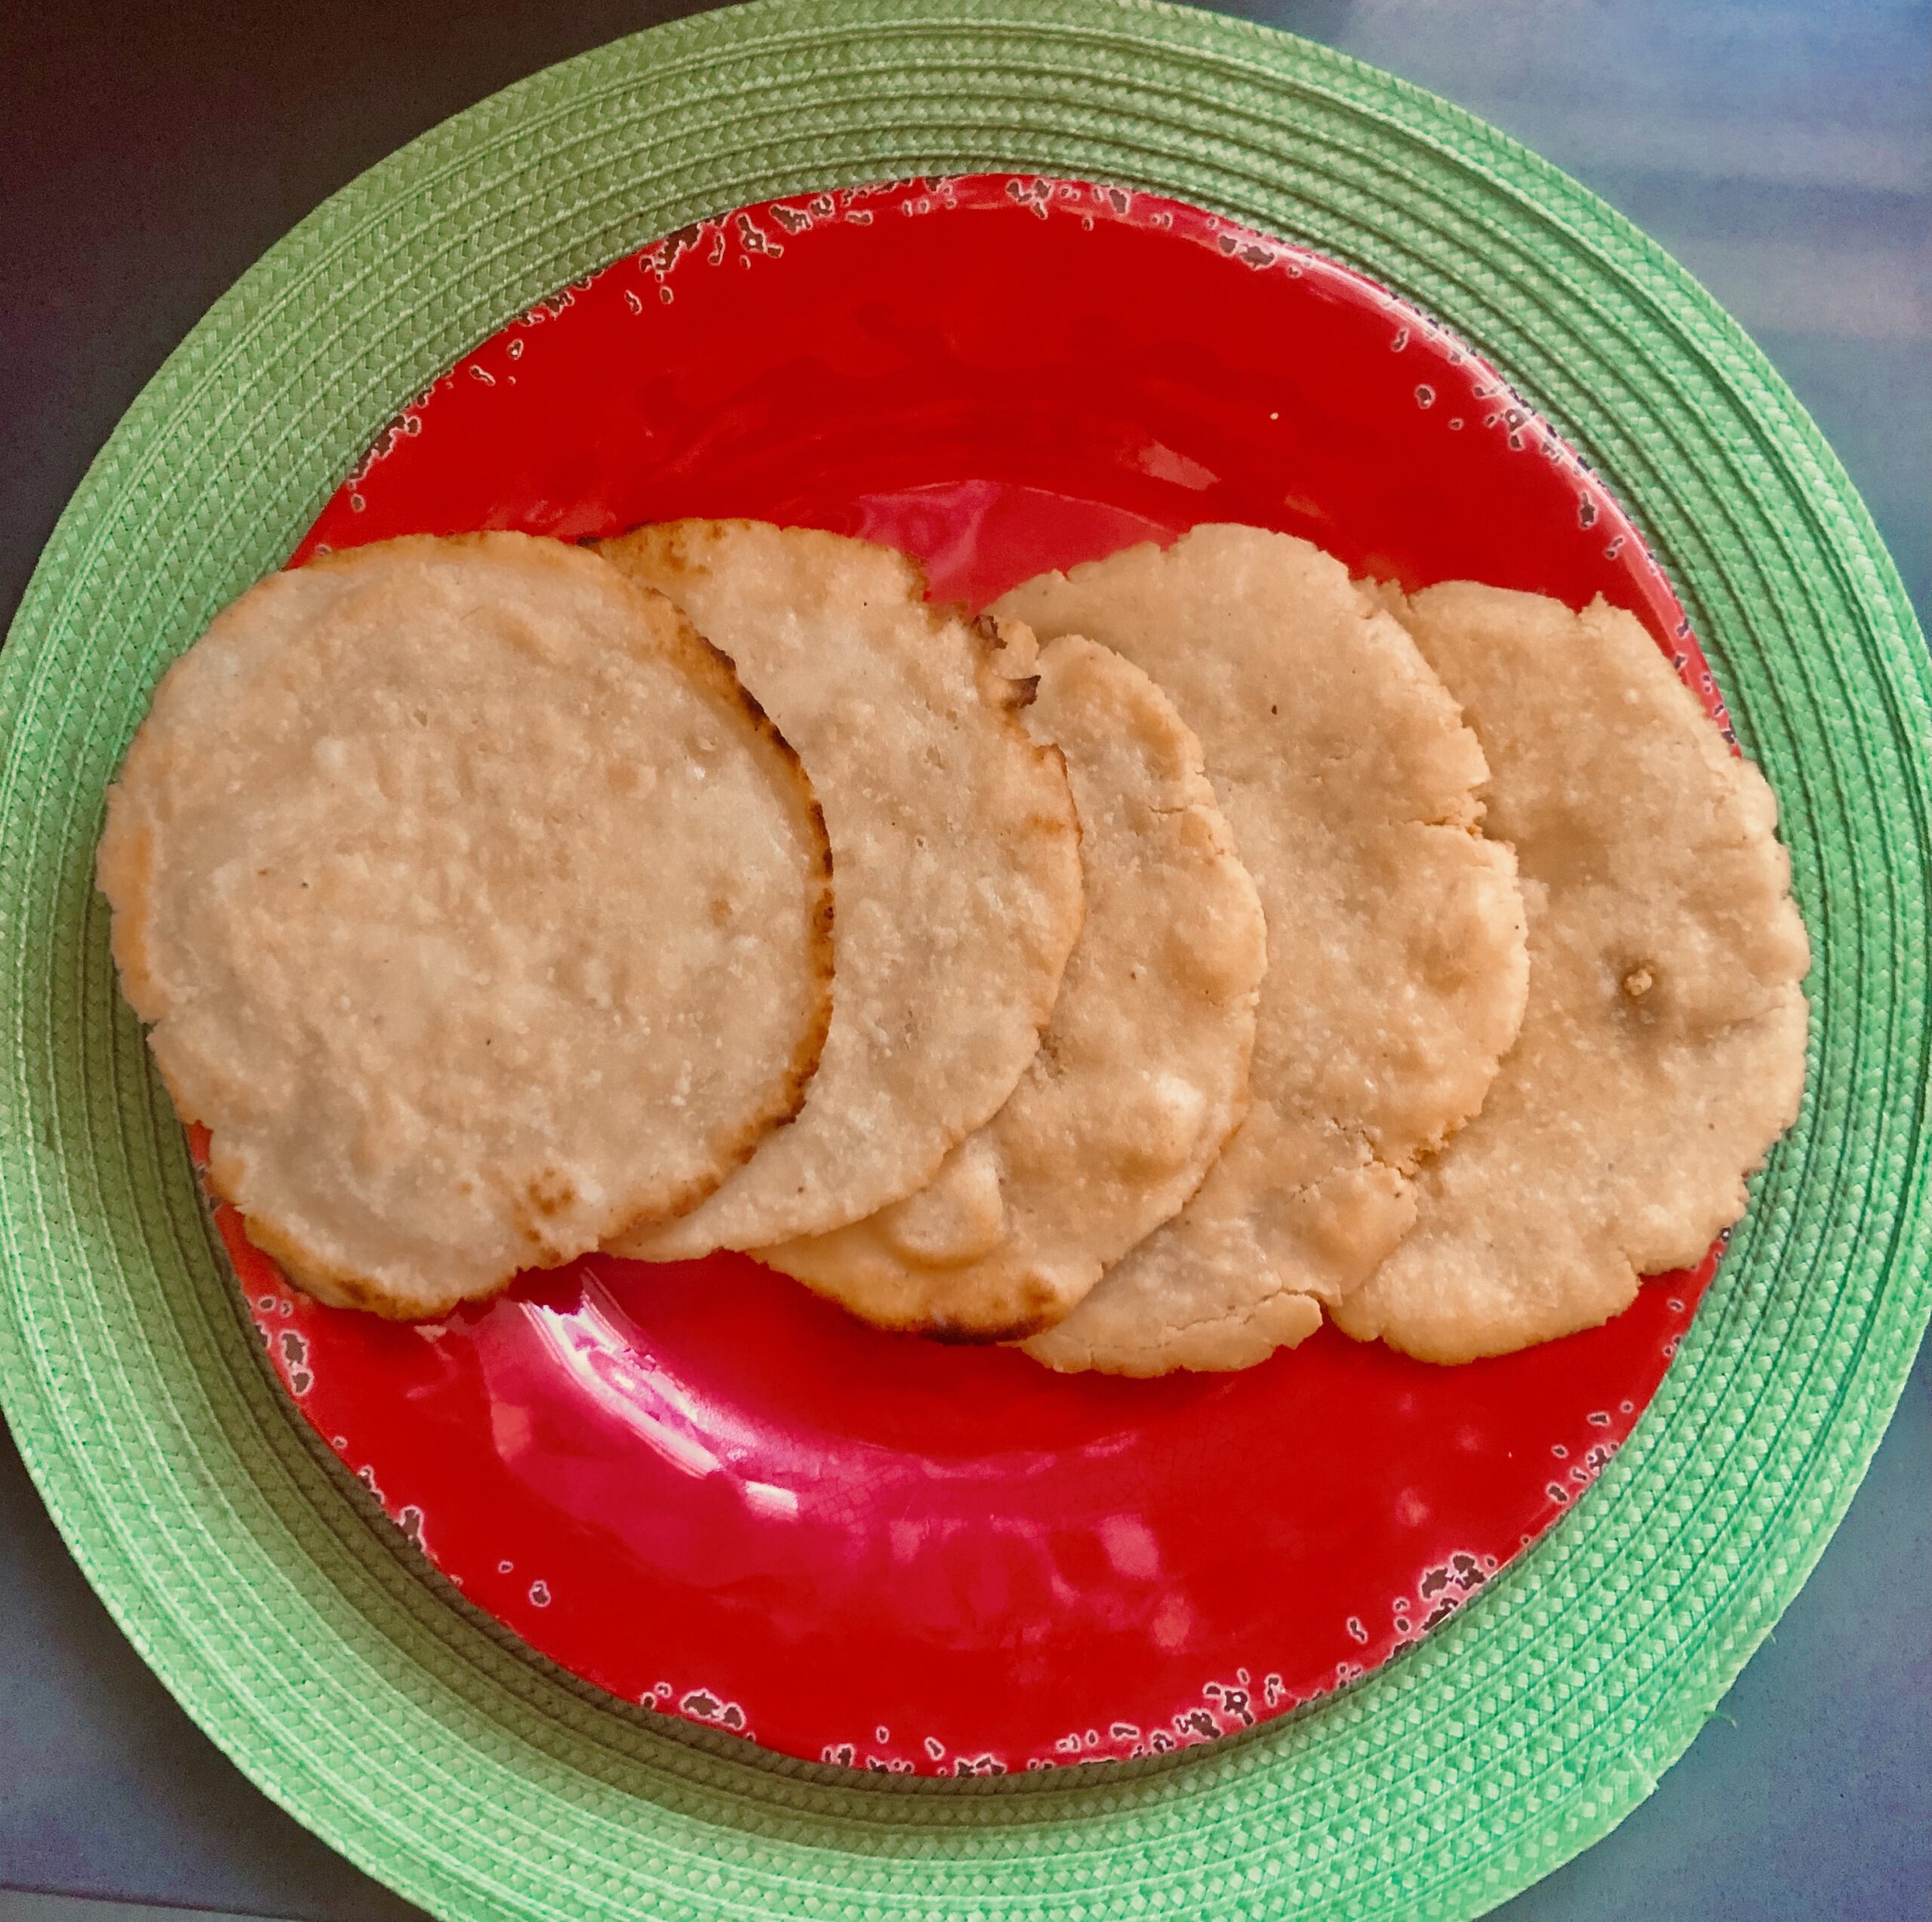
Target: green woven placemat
pixel 364 1696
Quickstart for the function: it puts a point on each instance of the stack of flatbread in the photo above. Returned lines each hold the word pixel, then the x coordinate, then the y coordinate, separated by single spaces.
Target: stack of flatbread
pixel 1194 945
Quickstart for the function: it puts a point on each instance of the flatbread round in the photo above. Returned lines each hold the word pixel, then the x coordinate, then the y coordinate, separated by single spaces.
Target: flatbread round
pixel 1396 959
pixel 955 845
pixel 1142 1072
pixel 1662 1051
pixel 478 913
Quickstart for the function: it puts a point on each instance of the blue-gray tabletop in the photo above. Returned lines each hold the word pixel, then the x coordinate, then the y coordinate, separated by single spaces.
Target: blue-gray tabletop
pixel 1782 150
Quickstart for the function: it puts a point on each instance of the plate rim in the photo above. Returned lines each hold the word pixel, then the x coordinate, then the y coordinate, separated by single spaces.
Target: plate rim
pixel 260 1592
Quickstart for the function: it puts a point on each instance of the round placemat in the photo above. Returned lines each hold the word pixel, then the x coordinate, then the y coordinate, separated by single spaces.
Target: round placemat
pixel 293 1622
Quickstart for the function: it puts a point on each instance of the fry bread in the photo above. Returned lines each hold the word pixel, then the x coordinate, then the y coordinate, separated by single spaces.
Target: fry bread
pixel 478 913
pixel 1662 1051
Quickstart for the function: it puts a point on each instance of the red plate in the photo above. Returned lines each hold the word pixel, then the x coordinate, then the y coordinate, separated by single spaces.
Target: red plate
pixel 703 1489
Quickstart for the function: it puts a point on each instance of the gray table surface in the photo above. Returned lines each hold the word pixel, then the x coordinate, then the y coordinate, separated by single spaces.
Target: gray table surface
pixel 1783 151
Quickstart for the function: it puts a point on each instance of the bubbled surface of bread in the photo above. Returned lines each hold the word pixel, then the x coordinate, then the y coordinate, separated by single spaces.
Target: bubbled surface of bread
pixel 478 913
pixel 1662 1049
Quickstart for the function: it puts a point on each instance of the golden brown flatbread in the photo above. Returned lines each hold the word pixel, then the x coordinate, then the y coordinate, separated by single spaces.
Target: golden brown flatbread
pixel 1662 1050
pixel 478 913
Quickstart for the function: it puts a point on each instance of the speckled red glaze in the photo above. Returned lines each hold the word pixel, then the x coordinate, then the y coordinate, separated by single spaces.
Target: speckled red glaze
pixel 700 1487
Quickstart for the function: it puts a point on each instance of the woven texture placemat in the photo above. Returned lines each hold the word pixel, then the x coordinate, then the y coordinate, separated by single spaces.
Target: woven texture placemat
pixel 288 1618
